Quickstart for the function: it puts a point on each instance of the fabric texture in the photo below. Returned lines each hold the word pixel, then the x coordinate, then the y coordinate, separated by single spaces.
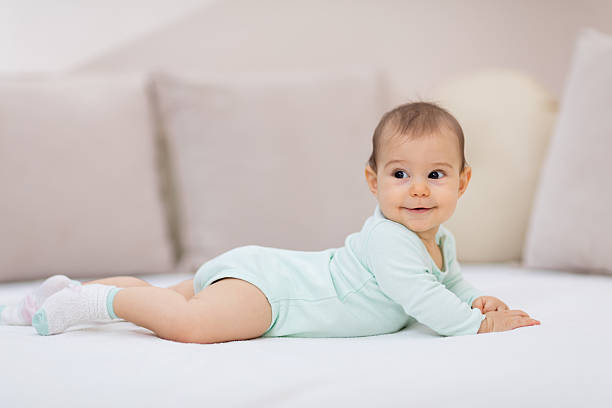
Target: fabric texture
pixel 75 305
pixel 21 313
pixel 80 191
pixel 273 159
pixel 507 119
pixel 572 212
pixel 563 361
pixel 381 280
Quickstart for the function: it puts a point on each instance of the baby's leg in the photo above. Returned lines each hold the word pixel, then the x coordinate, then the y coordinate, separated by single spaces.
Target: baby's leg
pixel 119 281
pixel 185 288
pixel 230 309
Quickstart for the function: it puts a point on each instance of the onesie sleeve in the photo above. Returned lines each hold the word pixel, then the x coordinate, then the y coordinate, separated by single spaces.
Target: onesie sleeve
pixel 455 281
pixel 395 259
pixel 460 287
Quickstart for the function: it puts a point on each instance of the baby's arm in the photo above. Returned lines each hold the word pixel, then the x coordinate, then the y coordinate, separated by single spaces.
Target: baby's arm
pixel 469 294
pixel 394 258
pixel 498 317
pixel 454 280
pixel 460 287
pixel 429 301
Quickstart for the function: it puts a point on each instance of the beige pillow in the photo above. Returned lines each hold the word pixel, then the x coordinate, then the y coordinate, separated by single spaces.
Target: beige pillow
pixel 270 159
pixel 507 119
pixel 80 193
pixel 572 216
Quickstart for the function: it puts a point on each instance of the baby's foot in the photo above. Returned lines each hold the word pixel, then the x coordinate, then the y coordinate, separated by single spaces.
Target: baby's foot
pixel 73 305
pixel 22 312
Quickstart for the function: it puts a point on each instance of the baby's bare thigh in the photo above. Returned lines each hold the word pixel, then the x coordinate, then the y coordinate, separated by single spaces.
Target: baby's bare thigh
pixel 229 309
pixel 185 288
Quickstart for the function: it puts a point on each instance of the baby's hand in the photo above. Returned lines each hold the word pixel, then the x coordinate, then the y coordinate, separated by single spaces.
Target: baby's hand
pixel 488 304
pixel 505 320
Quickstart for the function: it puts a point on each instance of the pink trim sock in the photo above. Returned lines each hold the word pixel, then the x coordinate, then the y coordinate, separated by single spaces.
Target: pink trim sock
pixel 22 312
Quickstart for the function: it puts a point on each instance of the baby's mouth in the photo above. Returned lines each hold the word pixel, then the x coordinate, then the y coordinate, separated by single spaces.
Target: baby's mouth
pixel 419 210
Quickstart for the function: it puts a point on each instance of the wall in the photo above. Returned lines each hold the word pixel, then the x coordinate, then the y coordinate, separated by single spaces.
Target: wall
pixel 56 35
pixel 421 43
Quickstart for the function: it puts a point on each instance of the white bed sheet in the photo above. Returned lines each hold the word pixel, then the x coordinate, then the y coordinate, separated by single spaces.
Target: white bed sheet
pixel 564 362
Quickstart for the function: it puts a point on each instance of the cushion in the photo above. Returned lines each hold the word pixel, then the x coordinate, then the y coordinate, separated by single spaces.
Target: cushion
pixel 80 192
pixel 270 159
pixel 507 118
pixel 572 215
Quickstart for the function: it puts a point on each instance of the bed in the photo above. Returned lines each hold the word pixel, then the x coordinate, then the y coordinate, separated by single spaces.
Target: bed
pixel 118 181
pixel 564 362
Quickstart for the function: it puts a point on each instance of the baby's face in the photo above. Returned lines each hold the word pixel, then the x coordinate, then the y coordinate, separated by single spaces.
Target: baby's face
pixel 427 175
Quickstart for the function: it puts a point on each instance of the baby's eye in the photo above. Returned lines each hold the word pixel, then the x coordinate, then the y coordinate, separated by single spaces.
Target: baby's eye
pixel 395 174
pixel 438 172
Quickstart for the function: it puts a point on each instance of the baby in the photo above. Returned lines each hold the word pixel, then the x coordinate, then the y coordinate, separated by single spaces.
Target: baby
pixel 400 268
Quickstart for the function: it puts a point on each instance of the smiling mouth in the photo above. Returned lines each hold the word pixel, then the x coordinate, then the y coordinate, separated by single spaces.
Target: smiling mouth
pixel 418 210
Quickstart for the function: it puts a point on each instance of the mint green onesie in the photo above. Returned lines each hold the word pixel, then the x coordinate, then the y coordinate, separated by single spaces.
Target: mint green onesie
pixel 380 281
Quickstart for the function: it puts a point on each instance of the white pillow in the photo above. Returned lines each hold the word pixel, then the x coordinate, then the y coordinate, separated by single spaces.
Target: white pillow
pixel 80 192
pixel 270 159
pixel 572 215
pixel 507 118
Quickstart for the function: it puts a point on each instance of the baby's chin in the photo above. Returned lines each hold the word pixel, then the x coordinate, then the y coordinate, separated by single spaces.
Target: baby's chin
pixel 412 225
pixel 421 228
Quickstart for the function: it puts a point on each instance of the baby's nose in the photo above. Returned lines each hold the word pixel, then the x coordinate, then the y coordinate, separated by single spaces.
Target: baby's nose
pixel 419 190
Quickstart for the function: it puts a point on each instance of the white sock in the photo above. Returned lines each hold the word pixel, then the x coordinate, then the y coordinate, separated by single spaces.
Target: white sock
pixel 22 312
pixel 73 305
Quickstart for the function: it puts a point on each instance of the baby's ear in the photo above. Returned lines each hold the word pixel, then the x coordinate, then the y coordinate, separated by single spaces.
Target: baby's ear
pixel 371 179
pixel 464 179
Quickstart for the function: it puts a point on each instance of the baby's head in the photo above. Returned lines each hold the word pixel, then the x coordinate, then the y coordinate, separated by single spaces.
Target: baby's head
pixel 417 161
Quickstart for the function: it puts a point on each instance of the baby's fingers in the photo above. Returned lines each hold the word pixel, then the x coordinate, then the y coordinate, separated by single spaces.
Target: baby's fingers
pixel 503 306
pixel 523 321
pixel 517 313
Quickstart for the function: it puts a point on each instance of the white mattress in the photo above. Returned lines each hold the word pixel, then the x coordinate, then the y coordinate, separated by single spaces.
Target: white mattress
pixel 564 362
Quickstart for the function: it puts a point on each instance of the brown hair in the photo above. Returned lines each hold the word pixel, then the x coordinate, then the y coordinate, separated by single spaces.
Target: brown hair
pixel 415 119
